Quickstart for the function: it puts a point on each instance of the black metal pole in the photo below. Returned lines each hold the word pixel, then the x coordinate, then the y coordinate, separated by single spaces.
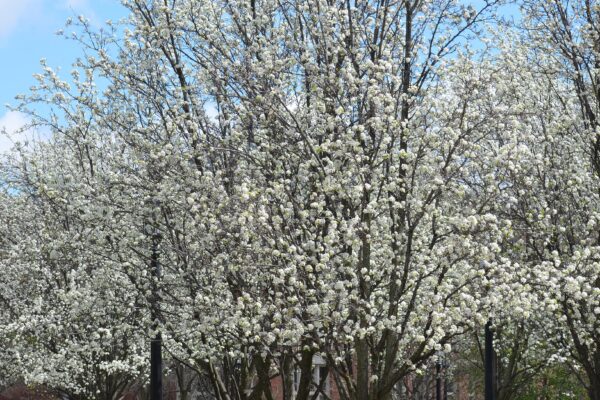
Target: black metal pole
pixel 156 381
pixel 438 383
pixel 489 362
pixel 445 388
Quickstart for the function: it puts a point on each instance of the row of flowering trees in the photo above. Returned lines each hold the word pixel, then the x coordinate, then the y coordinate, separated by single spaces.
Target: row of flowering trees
pixel 262 181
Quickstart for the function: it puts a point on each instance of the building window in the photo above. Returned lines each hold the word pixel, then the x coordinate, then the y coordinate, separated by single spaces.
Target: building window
pixel 319 372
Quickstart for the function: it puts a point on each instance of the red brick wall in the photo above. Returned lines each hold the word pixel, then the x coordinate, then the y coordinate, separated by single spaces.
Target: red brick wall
pixel 22 392
pixel 277 388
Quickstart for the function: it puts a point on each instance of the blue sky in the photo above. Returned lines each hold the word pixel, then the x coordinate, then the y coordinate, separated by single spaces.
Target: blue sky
pixel 27 34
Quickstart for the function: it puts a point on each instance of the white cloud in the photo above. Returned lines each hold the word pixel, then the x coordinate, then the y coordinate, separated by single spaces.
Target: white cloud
pixel 14 12
pixel 13 130
pixel 18 13
pixel 11 124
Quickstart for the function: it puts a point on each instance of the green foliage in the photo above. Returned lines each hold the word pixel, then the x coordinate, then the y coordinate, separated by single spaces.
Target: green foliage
pixel 556 383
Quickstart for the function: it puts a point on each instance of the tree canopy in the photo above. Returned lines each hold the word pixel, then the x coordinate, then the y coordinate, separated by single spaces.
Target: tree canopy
pixel 262 182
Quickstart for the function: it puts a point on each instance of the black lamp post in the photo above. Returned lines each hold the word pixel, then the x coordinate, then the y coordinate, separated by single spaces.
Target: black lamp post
pixel 156 377
pixel 446 387
pixel 438 379
pixel 441 383
pixel 489 362
pixel 156 384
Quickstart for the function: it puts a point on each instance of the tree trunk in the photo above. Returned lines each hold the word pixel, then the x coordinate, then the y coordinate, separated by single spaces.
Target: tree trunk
pixel 594 387
pixel 287 376
pixel 305 375
pixel 362 369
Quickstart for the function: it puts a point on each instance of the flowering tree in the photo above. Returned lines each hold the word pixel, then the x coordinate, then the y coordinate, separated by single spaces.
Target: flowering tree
pixel 306 186
pixel 261 182
pixel 555 202
pixel 62 326
pixel 367 213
